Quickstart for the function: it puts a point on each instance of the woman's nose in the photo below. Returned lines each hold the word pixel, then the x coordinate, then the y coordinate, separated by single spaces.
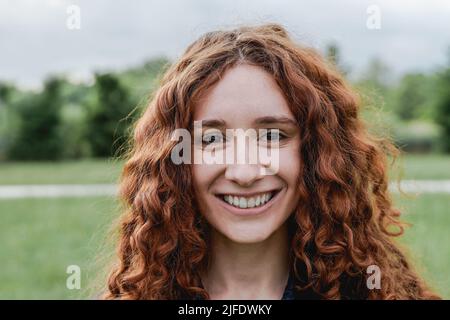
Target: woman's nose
pixel 243 174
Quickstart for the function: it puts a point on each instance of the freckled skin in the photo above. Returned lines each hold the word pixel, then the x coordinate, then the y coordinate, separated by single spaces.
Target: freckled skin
pixel 243 94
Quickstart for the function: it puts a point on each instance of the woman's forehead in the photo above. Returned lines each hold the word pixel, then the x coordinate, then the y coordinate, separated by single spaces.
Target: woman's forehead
pixel 243 93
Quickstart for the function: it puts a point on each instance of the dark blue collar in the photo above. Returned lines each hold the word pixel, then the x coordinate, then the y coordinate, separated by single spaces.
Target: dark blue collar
pixel 289 290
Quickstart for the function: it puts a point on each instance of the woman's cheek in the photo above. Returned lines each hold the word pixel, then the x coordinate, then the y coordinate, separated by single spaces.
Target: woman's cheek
pixel 289 167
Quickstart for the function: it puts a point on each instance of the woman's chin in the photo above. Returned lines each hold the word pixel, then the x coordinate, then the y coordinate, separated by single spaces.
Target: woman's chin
pixel 247 237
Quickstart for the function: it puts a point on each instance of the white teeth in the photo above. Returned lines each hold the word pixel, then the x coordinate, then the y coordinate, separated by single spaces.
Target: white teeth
pixel 251 202
pixel 263 199
pixel 242 203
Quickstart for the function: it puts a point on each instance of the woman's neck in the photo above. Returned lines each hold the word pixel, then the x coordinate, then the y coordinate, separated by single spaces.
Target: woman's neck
pixel 248 271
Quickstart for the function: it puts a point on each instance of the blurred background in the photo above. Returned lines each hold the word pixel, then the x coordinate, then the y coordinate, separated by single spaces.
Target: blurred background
pixel 75 74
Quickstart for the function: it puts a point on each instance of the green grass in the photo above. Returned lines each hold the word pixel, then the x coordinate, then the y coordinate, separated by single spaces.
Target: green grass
pixel 428 237
pixel 73 172
pixel 423 167
pixel 41 237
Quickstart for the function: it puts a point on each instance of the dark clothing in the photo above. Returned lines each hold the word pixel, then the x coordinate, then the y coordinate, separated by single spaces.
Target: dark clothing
pixel 289 291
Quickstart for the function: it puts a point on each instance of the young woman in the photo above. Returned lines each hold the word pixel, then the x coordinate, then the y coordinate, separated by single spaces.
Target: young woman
pixel 319 226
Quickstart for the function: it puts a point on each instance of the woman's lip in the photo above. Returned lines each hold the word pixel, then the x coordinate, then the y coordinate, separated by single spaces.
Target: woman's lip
pixel 250 211
pixel 247 195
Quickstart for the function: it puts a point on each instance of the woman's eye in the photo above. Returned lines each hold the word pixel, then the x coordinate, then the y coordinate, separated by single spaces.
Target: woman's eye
pixel 271 135
pixel 212 138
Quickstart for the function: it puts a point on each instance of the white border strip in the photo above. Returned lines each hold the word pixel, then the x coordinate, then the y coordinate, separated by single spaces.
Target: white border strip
pixel 57 191
pixel 422 186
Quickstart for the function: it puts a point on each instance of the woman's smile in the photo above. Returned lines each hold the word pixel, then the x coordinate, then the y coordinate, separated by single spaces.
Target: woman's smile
pixel 249 204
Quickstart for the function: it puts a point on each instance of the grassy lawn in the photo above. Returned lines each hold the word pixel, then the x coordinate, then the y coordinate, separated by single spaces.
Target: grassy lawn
pixel 73 172
pixel 427 240
pixel 423 167
pixel 41 237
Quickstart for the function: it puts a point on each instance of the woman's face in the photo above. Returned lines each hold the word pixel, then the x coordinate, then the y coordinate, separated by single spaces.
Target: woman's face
pixel 238 199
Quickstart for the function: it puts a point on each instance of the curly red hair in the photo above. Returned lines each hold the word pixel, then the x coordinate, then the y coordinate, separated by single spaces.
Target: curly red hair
pixel 344 221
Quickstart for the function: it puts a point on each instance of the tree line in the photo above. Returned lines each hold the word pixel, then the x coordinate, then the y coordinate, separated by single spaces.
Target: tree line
pixel 66 120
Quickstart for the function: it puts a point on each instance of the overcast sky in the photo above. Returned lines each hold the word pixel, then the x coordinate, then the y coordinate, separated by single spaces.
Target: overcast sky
pixel 35 40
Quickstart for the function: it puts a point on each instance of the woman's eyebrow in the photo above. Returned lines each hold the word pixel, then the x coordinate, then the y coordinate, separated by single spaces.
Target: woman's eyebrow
pixel 266 120
pixel 214 123
pixel 275 120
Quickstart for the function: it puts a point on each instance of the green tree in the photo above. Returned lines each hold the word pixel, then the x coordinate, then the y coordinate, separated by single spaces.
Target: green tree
pixel 333 55
pixel 411 96
pixel 73 119
pixel 6 92
pixel 109 117
pixel 38 136
pixel 443 107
